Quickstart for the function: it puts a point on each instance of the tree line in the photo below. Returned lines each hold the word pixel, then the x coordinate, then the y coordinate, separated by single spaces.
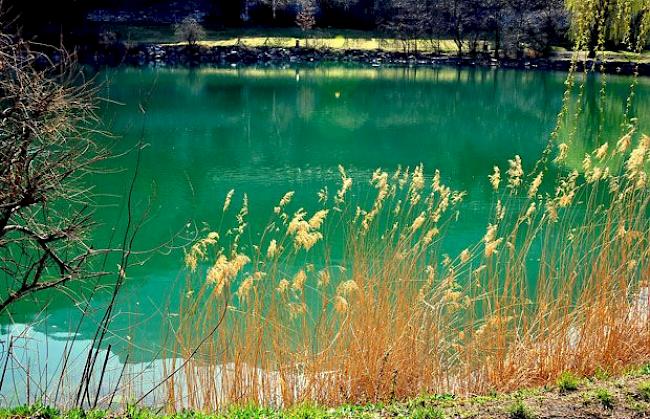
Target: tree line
pixel 510 26
pixel 496 27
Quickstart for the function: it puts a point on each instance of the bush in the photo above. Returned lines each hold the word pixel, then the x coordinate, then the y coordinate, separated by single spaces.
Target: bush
pixel 605 398
pixel 47 146
pixel 601 374
pixel 107 38
pixel 567 382
pixel 190 31
pixel 83 414
pixel 520 411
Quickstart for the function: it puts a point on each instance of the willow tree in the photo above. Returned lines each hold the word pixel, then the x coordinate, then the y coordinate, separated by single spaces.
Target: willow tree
pixel 597 21
pixel 593 24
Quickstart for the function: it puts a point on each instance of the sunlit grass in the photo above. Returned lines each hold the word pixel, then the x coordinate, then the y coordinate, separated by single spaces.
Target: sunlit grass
pixel 337 43
pixel 338 40
pixel 286 38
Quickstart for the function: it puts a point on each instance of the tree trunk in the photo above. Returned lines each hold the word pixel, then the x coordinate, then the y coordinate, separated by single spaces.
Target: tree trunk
pixel 593 42
pixel 497 42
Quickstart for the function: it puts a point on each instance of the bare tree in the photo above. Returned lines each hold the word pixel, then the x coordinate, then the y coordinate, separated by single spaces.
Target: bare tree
pixel 512 25
pixel 46 149
pixel 496 10
pixel 453 15
pixel 408 23
pixel 306 17
pixel 190 31
pixel 276 5
pixel 531 24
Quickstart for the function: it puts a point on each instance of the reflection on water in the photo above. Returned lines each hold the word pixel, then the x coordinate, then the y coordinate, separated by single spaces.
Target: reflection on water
pixel 268 131
pixel 29 379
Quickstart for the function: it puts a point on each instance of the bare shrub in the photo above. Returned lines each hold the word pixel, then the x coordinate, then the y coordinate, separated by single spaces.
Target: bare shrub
pixel 190 31
pixel 306 17
pixel 46 149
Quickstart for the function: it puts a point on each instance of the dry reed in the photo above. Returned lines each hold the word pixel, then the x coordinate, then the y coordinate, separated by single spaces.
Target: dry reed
pixel 389 315
pixel 357 302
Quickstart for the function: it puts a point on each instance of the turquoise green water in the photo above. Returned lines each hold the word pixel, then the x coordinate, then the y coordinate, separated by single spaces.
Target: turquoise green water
pixel 267 131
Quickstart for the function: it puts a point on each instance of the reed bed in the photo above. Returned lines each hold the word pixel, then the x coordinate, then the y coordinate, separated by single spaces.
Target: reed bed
pixel 356 301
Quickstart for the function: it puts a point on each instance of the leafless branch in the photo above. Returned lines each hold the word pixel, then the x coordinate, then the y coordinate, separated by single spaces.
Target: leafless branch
pixel 47 147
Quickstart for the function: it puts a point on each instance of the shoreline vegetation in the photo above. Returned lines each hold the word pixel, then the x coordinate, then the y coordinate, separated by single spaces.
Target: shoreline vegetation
pixel 599 396
pixel 555 289
pixel 261 51
pixel 392 315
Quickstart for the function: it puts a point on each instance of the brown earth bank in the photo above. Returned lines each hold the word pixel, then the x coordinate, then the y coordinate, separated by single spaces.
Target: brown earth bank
pixel 615 398
pixel 161 55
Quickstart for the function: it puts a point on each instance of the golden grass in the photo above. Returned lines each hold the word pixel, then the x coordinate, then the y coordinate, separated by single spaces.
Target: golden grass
pixel 287 318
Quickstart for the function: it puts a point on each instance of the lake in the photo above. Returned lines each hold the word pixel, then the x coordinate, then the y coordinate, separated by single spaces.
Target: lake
pixel 266 131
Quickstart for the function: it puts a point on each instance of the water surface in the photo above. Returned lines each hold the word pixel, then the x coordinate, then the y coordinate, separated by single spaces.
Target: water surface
pixel 267 131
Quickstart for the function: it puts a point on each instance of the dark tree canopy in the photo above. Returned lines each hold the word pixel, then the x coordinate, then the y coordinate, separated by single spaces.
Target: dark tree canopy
pixel 511 27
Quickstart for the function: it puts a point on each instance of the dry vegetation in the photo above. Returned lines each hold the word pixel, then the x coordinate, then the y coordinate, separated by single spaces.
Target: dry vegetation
pixel 46 149
pixel 355 301
pixel 393 317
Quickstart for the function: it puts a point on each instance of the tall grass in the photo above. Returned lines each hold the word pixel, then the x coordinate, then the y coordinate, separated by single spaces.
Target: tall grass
pixel 356 301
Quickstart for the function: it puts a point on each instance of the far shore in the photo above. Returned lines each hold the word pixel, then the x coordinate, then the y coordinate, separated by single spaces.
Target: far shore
pixel 165 54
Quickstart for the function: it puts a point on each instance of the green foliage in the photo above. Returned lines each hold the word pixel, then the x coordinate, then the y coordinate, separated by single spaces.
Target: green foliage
pixel 519 410
pixel 306 412
pixel 188 414
pixel 644 391
pixel 479 400
pixel 594 22
pixel 605 398
pixel 645 370
pixel 427 413
pixel 37 410
pixel 567 382
pixel 636 371
pixel 249 412
pixel 528 392
pixel 82 414
pixel 356 411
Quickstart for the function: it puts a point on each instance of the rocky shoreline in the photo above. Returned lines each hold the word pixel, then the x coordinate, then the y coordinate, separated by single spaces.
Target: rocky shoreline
pixel 166 55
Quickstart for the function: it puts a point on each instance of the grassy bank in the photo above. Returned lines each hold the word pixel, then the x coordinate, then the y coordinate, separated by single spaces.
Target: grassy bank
pixel 337 40
pixel 595 397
